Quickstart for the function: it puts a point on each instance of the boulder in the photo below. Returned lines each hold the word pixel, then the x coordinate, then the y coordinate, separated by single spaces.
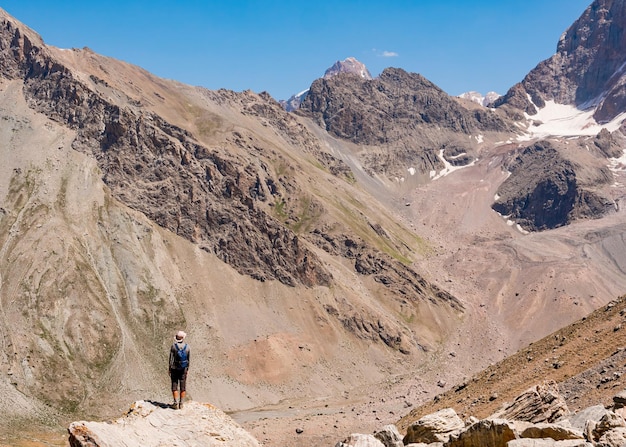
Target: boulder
pixel 389 436
pixel 553 431
pixel 619 400
pixel 488 432
pixel 621 412
pixel 436 427
pixel 608 422
pixel 542 403
pixel 360 440
pixel 613 438
pixel 151 424
pixel 579 420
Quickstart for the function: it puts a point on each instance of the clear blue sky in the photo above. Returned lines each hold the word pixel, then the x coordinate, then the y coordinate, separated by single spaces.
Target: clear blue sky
pixel 282 46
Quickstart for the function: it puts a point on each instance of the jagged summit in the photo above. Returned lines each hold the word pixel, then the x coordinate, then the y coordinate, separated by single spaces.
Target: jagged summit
pixel 417 123
pixel 348 65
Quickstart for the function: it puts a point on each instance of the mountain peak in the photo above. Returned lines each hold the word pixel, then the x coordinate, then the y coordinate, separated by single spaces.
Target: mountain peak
pixel 348 65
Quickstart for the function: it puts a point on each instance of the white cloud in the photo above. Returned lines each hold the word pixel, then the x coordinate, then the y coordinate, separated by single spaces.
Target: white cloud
pixel 384 53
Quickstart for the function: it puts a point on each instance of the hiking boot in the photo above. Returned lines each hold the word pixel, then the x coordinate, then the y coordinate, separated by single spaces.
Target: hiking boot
pixel 180 405
pixel 175 405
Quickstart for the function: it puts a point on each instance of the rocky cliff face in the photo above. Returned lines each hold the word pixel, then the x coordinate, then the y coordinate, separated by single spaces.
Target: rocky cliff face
pixel 587 69
pixel 587 72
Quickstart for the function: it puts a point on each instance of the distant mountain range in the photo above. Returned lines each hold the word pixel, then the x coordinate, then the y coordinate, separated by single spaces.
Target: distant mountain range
pixel 478 98
pixel 353 66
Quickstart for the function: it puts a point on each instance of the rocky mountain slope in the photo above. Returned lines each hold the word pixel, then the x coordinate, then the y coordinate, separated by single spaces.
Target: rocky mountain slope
pixel 578 91
pixel 587 70
pixel 552 184
pixel 585 360
pixel 332 267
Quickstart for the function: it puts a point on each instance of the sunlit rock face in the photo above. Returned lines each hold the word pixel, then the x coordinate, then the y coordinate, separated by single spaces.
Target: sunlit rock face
pixel 587 70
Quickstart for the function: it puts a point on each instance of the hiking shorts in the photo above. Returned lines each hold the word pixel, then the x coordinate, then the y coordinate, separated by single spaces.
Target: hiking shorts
pixel 179 376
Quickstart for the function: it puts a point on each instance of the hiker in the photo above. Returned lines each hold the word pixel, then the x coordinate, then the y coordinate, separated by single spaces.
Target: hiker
pixel 179 364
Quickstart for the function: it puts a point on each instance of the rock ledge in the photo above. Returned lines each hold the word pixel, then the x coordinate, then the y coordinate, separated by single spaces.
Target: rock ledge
pixel 152 424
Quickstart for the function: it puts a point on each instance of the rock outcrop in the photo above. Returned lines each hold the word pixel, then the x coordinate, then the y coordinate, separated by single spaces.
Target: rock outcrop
pixel 152 424
pixel 360 440
pixel 436 427
pixel 542 403
pixel 547 188
pixel 389 436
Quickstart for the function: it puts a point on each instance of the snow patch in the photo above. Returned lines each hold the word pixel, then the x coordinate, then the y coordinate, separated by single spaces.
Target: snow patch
pixel 512 223
pixel 462 154
pixel 412 171
pixel 303 92
pixel 566 121
pixel 448 167
pixel 618 164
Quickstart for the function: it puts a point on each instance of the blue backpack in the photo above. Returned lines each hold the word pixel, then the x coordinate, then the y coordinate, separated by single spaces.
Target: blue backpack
pixel 182 356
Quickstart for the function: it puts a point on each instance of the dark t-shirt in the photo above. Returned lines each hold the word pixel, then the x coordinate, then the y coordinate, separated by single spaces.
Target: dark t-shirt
pixel 174 350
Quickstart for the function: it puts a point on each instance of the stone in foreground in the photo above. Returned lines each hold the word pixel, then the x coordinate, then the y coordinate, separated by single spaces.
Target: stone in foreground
pixel 150 424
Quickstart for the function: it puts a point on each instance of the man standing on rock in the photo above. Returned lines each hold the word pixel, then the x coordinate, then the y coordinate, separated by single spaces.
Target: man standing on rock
pixel 179 364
